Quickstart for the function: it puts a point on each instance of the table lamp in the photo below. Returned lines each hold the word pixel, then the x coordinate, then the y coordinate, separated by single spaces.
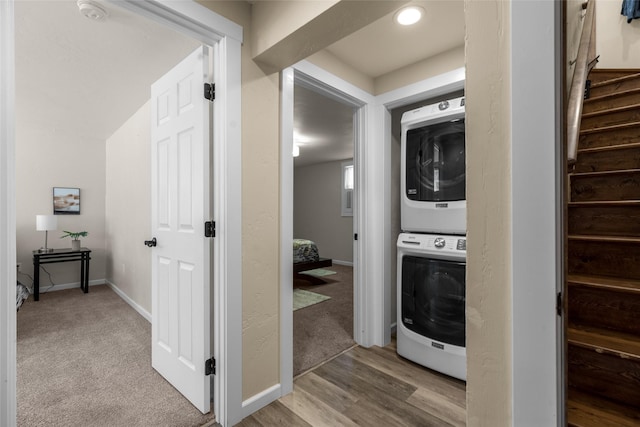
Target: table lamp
pixel 46 223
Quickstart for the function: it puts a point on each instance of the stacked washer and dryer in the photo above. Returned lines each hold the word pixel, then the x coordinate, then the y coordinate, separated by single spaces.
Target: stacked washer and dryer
pixel 432 245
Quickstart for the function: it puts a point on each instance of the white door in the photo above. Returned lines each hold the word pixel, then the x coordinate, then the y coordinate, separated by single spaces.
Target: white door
pixel 180 170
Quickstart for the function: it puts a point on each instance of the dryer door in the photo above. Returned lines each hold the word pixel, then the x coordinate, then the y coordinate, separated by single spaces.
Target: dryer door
pixel 433 298
pixel 435 162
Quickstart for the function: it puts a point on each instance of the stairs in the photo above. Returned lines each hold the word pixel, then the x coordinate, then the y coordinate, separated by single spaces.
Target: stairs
pixel 603 257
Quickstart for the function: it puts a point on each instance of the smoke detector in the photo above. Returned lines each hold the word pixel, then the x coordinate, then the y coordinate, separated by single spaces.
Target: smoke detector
pixel 92 10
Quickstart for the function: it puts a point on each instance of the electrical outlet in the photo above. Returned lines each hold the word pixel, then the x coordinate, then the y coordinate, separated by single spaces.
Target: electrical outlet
pixel 19 265
pixel 124 269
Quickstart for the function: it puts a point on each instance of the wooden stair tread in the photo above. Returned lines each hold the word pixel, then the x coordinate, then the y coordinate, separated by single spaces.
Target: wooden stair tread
pixel 605 283
pixel 611 110
pixel 610 148
pixel 605 342
pixel 610 128
pixel 596 238
pixel 611 95
pixel 586 410
pixel 604 203
pixel 605 173
pixel 614 81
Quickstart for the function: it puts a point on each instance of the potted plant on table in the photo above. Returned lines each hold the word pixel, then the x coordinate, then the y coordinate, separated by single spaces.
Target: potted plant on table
pixel 75 238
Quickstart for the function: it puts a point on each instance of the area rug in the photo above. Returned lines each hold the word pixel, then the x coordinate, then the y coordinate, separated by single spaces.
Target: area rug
pixel 318 272
pixel 302 298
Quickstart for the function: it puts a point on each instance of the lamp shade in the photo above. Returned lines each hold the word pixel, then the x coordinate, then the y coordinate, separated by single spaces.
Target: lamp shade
pixel 46 222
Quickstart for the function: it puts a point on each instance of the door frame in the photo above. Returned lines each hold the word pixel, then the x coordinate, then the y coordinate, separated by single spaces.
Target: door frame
pixel 8 404
pixel 318 80
pixel 225 36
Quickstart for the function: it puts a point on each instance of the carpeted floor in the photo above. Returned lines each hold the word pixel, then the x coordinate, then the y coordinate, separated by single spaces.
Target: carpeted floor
pixel 323 330
pixel 85 360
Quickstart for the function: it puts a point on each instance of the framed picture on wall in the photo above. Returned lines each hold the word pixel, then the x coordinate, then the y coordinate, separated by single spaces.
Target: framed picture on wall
pixel 66 201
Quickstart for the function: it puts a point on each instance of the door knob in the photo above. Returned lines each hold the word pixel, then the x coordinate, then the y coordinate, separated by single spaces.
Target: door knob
pixel 151 243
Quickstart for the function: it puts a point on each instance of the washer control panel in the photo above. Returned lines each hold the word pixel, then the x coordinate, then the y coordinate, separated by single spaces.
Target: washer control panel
pixel 433 243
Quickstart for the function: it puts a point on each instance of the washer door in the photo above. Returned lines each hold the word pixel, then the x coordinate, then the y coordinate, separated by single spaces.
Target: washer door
pixel 433 298
pixel 435 162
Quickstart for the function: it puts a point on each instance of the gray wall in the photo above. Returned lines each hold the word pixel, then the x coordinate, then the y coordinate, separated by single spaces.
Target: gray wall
pixel 317 210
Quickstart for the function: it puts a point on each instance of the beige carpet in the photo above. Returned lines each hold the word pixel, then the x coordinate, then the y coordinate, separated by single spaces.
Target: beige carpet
pixel 85 360
pixel 323 330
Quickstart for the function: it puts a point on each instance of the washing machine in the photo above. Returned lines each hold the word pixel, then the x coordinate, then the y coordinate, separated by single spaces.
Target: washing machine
pixel 431 302
pixel 433 169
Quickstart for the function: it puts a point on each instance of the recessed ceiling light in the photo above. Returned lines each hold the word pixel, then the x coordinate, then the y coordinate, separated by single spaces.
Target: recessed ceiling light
pixel 409 15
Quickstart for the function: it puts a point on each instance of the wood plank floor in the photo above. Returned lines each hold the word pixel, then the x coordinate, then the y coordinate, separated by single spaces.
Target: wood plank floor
pixel 371 386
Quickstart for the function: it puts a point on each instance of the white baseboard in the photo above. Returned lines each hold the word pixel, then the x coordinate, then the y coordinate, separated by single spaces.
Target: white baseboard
pixel 62 287
pixel 137 307
pixel 260 400
pixel 347 263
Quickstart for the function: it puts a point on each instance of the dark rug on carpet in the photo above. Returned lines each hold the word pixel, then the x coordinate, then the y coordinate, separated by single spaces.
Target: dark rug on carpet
pixel 323 330
pixel 85 360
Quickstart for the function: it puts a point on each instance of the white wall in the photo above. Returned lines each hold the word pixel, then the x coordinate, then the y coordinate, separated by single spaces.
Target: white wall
pixel 317 210
pixel 617 42
pixel 47 158
pixel 128 207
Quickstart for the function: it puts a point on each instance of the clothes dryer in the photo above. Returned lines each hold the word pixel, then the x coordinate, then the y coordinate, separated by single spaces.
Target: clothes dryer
pixel 433 169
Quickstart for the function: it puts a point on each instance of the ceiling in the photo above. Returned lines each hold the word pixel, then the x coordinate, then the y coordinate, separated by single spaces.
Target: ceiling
pixel 97 74
pixel 323 126
pixel 76 75
pixel 384 46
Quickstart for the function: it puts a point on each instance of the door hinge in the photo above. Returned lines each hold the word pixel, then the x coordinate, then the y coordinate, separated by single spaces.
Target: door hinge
pixel 559 304
pixel 210 366
pixel 210 91
pixel 210 229
pixel 355 236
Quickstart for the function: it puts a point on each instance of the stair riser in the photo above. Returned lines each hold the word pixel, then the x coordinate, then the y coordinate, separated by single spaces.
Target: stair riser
pixel 605 220
pixel 610 119
pixel 603 74
pixel 618 311
pixel 610 137
pixel 615 259
pixel 609 376
pixel 590 105
pixel 627 84
pixel 608 160
pixel 620 186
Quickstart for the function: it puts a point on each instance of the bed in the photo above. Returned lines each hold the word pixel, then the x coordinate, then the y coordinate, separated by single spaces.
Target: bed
pixel 306 256
pixel 22 293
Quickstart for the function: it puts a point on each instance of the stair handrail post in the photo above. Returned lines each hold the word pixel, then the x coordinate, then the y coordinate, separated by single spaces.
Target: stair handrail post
pixel 576 94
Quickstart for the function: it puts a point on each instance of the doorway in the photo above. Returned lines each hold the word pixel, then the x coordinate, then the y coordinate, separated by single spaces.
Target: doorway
pixel 354 99
pixel 210 28
pixel 323 211
pixel 106 138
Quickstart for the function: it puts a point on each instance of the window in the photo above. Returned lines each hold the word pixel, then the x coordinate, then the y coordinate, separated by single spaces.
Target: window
pixel 348 181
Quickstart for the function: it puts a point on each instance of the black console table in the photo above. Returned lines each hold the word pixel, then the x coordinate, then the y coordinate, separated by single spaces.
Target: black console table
pixel 61 255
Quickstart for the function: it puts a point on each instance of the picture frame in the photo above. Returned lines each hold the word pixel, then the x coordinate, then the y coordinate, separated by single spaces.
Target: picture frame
pixel 66 201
